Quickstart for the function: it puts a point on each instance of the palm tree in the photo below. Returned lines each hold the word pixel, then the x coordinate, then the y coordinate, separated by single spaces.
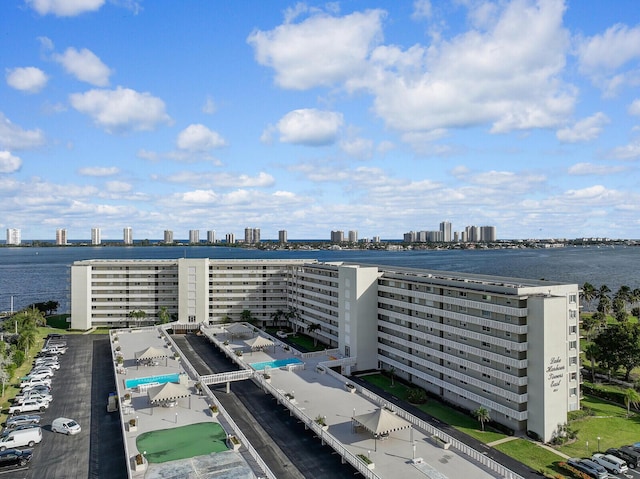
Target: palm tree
pixel 631 398
pixel 588 294
pixel 27 339
pixel 314 327
pixel 137 315
pixel 591 352
pixel 392 374
pixel 276 316
pixel 163 315
pixel 482 415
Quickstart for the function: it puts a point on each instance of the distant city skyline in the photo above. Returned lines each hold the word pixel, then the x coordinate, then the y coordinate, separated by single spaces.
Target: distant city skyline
pixel 377 117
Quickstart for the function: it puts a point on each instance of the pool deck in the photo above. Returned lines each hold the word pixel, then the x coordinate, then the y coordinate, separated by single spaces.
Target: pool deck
pixel 314 394
pixel 191 410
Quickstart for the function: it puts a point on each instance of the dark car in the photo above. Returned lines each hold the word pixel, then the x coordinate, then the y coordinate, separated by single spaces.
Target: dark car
pixel 588 467
pixel 15 421
pixel 15 457
pixel 631 457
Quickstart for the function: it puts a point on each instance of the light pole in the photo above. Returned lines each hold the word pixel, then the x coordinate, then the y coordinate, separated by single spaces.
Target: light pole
pixel 598 443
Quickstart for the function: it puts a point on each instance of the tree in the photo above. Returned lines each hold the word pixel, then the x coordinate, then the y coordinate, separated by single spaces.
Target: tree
pixel 137 315
pixel 588 293
pixel 27 339
pixel 246 316
pixel 163 315
pixel 277 316
pixel 631 398
pixel 619 347
pixel 482 415
pixel 392 375
pixel 292 315
pixel 314 327
pixel 604 301
pixel 591 352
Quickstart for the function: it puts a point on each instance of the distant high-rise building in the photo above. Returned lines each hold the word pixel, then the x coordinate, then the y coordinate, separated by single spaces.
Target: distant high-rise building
pixel 282 236
pixel 409 237
pixel 168 237
pixel 96 236
pixel 211 236
pixel 456 236
pixel 445 229
pixel 376 239
pixel 230 238
pixel 14 236
pixel 337 236
pixel 61 237
pixel 472 234
pixel 353 236
pixel 488 233
pixel 252 235
pixel 194 236
pixel 127 235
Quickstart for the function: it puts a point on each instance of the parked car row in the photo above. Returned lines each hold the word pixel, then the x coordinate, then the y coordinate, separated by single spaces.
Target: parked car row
pixel 23 430
pixel 612 461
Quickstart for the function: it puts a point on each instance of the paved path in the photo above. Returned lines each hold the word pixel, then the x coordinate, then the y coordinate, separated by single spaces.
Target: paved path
pixel 503 440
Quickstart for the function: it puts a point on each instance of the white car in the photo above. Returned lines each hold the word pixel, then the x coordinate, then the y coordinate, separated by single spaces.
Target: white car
pixel 22 397
pixel 28 406
pixel 44 359
pixel 55 365
pixel 40 374
pixel 34 382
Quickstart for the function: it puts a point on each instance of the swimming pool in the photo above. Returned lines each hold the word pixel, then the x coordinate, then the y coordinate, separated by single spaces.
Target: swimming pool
pixel 161 379
pixel 276 363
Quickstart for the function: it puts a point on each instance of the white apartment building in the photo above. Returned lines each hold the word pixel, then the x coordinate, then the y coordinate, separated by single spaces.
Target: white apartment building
pixel 168 237
pixel 211 236
pixel 14 236
pixel 509 345
pixel 96 237
pixel 61 237
pixel 282 236
pixel 127 235
pixel 194 236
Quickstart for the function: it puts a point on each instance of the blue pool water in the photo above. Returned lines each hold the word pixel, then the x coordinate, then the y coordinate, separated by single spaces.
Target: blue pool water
pixel 163 378
pixel 276 363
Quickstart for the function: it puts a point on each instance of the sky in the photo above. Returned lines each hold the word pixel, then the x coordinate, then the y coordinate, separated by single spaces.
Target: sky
pixel 380 117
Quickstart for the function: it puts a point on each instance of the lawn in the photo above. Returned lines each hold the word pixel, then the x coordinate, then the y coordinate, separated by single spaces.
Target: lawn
pixel 448 415
pixel 305 342
pixel 182 442
pixel 529 453
pixel 609 423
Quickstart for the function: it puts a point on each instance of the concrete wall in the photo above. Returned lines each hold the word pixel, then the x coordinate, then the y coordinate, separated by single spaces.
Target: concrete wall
pixel 80 297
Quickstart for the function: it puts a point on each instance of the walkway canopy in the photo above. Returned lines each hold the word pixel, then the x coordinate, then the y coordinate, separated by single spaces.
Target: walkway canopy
pixel 381 421
pixel 151 353
pixel 167 392
pixel 259 342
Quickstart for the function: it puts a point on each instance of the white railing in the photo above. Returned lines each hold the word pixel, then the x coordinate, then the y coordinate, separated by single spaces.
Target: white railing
pixel 316 354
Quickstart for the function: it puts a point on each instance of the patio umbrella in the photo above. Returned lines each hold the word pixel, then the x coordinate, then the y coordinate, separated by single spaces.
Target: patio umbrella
pixel 259 342
pixel 167 392
pixel 239 329
pixel 381 421
pixel 151 353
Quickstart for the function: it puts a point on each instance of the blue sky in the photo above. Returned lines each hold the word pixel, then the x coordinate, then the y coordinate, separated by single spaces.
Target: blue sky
pixel 381 117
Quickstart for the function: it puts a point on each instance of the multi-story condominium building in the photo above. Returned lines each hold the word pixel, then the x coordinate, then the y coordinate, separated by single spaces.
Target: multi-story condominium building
pixel 445 229
pixel 211 236
pixel 168 237
pixel 127 235
pixel 230 238
pixel 509 345
pixel 410 237
pixel 375 239
pixel 61 237
pixel 337 236
pixel 194 236
pixel 14 236
pixel 282 236
pixel 252 235
pixel 353 236
pixel 96 236
pixel 487 233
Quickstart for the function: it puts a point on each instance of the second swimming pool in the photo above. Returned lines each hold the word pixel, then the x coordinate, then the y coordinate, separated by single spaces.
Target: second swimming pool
pixel 161 379
pixel 276 363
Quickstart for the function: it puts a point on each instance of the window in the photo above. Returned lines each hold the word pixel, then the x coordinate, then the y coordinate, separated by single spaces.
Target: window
pixel 486 297
pixel 573 329
pixel 573 314
pixel 573 298
pixel 486 314
pixel 573 391
pixel 573 360
pixel 573 344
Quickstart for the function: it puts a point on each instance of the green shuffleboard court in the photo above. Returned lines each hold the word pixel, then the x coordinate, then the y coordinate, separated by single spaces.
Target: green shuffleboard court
pixel 182 442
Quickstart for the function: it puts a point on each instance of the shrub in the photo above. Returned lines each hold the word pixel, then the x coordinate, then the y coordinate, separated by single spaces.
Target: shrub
pixel 365 459
pixel 320 420
pixel 132 422
pixel 139 459
pixel 417 396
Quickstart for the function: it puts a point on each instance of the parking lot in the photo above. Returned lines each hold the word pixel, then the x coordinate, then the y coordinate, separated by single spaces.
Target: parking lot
pixel 80 389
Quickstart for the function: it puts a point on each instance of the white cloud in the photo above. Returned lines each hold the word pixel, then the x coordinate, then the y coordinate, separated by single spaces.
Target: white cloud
pixel 198 137
pixel 602 57
pixel 85 66
pixel 64 8
pixel 421 9
pixel 27 79
pixel 99 171
pixel 222 180
pixel 586 129
pixel 507 76
pixel 626 152
pixel 118 187
pixel 13 137
pixel 321 50
pixel 361 148
pixel 122 109
pixel 209 106
pixel 9 163
pixel 634 108
pixel 310 127
pixel 582 169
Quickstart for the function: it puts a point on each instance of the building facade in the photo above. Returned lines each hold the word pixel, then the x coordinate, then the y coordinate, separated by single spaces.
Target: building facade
pixel 96 236
pixel 282 236
pixel 14 236
pixel 337 236
pixel 509 345
pixel 61 237
pixel 251 235
pixel 127 235
pixel 168 237
pixel 194 236
pixel 211 236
